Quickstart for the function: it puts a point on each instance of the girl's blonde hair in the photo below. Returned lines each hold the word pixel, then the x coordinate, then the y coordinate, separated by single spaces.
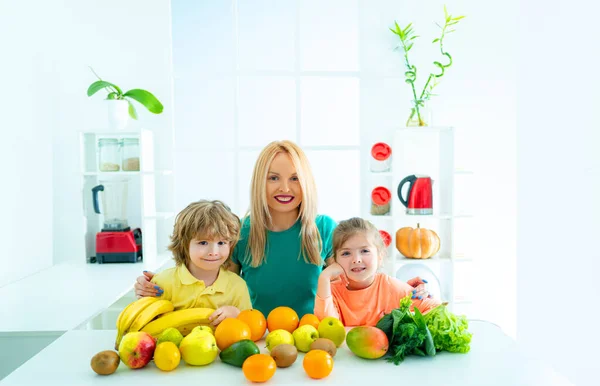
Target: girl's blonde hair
pixel 203 219
pixel 356 225
pixel 260 217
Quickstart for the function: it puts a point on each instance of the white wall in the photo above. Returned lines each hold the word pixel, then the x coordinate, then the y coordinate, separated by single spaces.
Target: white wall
pixel 26 122
pixel 47 48
pixel 559 186
pixel 127 43
pixel 223 116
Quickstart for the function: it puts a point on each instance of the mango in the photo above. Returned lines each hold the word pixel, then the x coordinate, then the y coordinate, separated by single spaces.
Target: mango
pixel 367 342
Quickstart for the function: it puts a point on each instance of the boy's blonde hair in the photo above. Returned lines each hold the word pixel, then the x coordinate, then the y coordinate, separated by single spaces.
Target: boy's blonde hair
pixel 205 219
pixel 260 217
pixel 356 225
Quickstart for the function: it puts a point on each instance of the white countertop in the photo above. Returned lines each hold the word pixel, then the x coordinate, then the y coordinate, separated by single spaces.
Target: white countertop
pixel 494 359
pixel 65 295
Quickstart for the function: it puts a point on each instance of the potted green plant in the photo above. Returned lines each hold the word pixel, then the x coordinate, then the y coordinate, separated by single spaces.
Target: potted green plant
pixel 407 37
pixel 120 106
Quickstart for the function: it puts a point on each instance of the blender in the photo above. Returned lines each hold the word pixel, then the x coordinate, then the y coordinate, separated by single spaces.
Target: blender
pixel 116 242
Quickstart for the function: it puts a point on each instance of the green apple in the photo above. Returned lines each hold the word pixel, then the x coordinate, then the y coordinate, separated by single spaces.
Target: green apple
pixel 278 337
pixel 202 328
pixel 199 349
pixel 304 336
pixel 332 329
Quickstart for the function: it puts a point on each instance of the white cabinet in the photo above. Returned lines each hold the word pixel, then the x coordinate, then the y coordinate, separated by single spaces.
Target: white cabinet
pixel 424 151
pixel 149 197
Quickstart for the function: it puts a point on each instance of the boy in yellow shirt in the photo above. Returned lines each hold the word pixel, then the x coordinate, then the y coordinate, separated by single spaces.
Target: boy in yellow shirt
pixel 203 237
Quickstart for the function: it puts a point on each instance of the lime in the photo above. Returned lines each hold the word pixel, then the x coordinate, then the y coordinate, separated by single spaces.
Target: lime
pixel 170 335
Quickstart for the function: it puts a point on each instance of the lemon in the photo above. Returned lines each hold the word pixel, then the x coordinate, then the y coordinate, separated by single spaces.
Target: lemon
pixel 167 356
pixel 278 337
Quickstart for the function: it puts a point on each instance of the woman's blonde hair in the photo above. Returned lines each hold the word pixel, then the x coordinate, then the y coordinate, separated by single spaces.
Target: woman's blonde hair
pixel 356 225
pixel 260 217
pixel 204 219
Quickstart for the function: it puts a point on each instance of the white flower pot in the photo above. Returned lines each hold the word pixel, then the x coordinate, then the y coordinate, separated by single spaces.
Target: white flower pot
pixel 118 114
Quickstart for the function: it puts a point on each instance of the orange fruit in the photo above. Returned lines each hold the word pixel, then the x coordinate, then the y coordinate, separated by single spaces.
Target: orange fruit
pixel 259 368
pixel 317 364
pixel 310 319
pixel 283 318
pixel 256 321
pixel 229 331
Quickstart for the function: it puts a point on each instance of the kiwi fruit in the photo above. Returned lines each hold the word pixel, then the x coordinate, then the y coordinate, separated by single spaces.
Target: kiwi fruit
pixel 325 345
pixel 284 354
pixel 105 362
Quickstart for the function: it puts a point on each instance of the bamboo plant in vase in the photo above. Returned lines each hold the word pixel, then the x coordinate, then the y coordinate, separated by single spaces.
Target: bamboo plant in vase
pixel 419 107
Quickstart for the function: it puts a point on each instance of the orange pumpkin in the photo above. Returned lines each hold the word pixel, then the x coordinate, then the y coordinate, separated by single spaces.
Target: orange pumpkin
pixel 419 243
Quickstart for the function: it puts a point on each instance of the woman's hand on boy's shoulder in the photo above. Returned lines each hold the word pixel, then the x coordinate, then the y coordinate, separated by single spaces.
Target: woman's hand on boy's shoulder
pixel 144 287
pixel 223 313
pixel 415 282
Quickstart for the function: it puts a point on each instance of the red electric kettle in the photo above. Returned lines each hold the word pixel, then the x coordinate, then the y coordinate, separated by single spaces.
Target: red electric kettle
pixel 420 196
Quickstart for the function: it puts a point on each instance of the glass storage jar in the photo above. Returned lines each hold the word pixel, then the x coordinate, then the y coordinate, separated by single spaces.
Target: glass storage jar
pixel 381 157
pixel 380 201
pixel 109 158
pixel 131 155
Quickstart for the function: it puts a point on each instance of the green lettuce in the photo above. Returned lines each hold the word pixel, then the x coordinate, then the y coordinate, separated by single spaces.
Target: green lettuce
pixel 449 331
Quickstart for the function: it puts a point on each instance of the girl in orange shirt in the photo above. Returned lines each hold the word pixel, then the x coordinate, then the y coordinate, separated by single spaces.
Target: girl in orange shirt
pixel 361 295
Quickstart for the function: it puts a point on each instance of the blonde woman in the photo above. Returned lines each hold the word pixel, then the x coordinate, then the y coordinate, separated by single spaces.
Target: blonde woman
pixel 283 242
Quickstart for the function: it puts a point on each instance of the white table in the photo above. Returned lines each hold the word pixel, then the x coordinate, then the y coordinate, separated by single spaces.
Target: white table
pixel 494 359
pixel 65 295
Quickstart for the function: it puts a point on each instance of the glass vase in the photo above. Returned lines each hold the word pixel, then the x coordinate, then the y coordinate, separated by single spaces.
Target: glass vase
pixel 422 118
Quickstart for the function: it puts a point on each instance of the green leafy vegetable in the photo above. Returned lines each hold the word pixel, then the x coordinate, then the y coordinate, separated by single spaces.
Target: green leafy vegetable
pixel 422 324
pixel 449 331
pixel 423 335
pixel 407 333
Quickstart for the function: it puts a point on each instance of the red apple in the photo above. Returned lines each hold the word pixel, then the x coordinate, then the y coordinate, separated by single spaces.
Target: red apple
pixel 136 349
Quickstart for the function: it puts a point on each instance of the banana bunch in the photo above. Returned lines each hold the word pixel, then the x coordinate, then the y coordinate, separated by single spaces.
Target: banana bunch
pixel 138 314
pixel 183 320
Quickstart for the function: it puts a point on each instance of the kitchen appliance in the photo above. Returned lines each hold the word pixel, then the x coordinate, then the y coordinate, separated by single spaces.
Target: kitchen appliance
pixel 117 242
pixel 420 196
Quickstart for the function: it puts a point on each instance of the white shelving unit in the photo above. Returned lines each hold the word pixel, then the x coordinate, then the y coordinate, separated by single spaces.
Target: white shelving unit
pixel 150 201
pixel 424 151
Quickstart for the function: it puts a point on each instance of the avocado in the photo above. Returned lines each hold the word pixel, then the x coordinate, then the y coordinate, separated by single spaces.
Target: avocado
pixel 237 353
